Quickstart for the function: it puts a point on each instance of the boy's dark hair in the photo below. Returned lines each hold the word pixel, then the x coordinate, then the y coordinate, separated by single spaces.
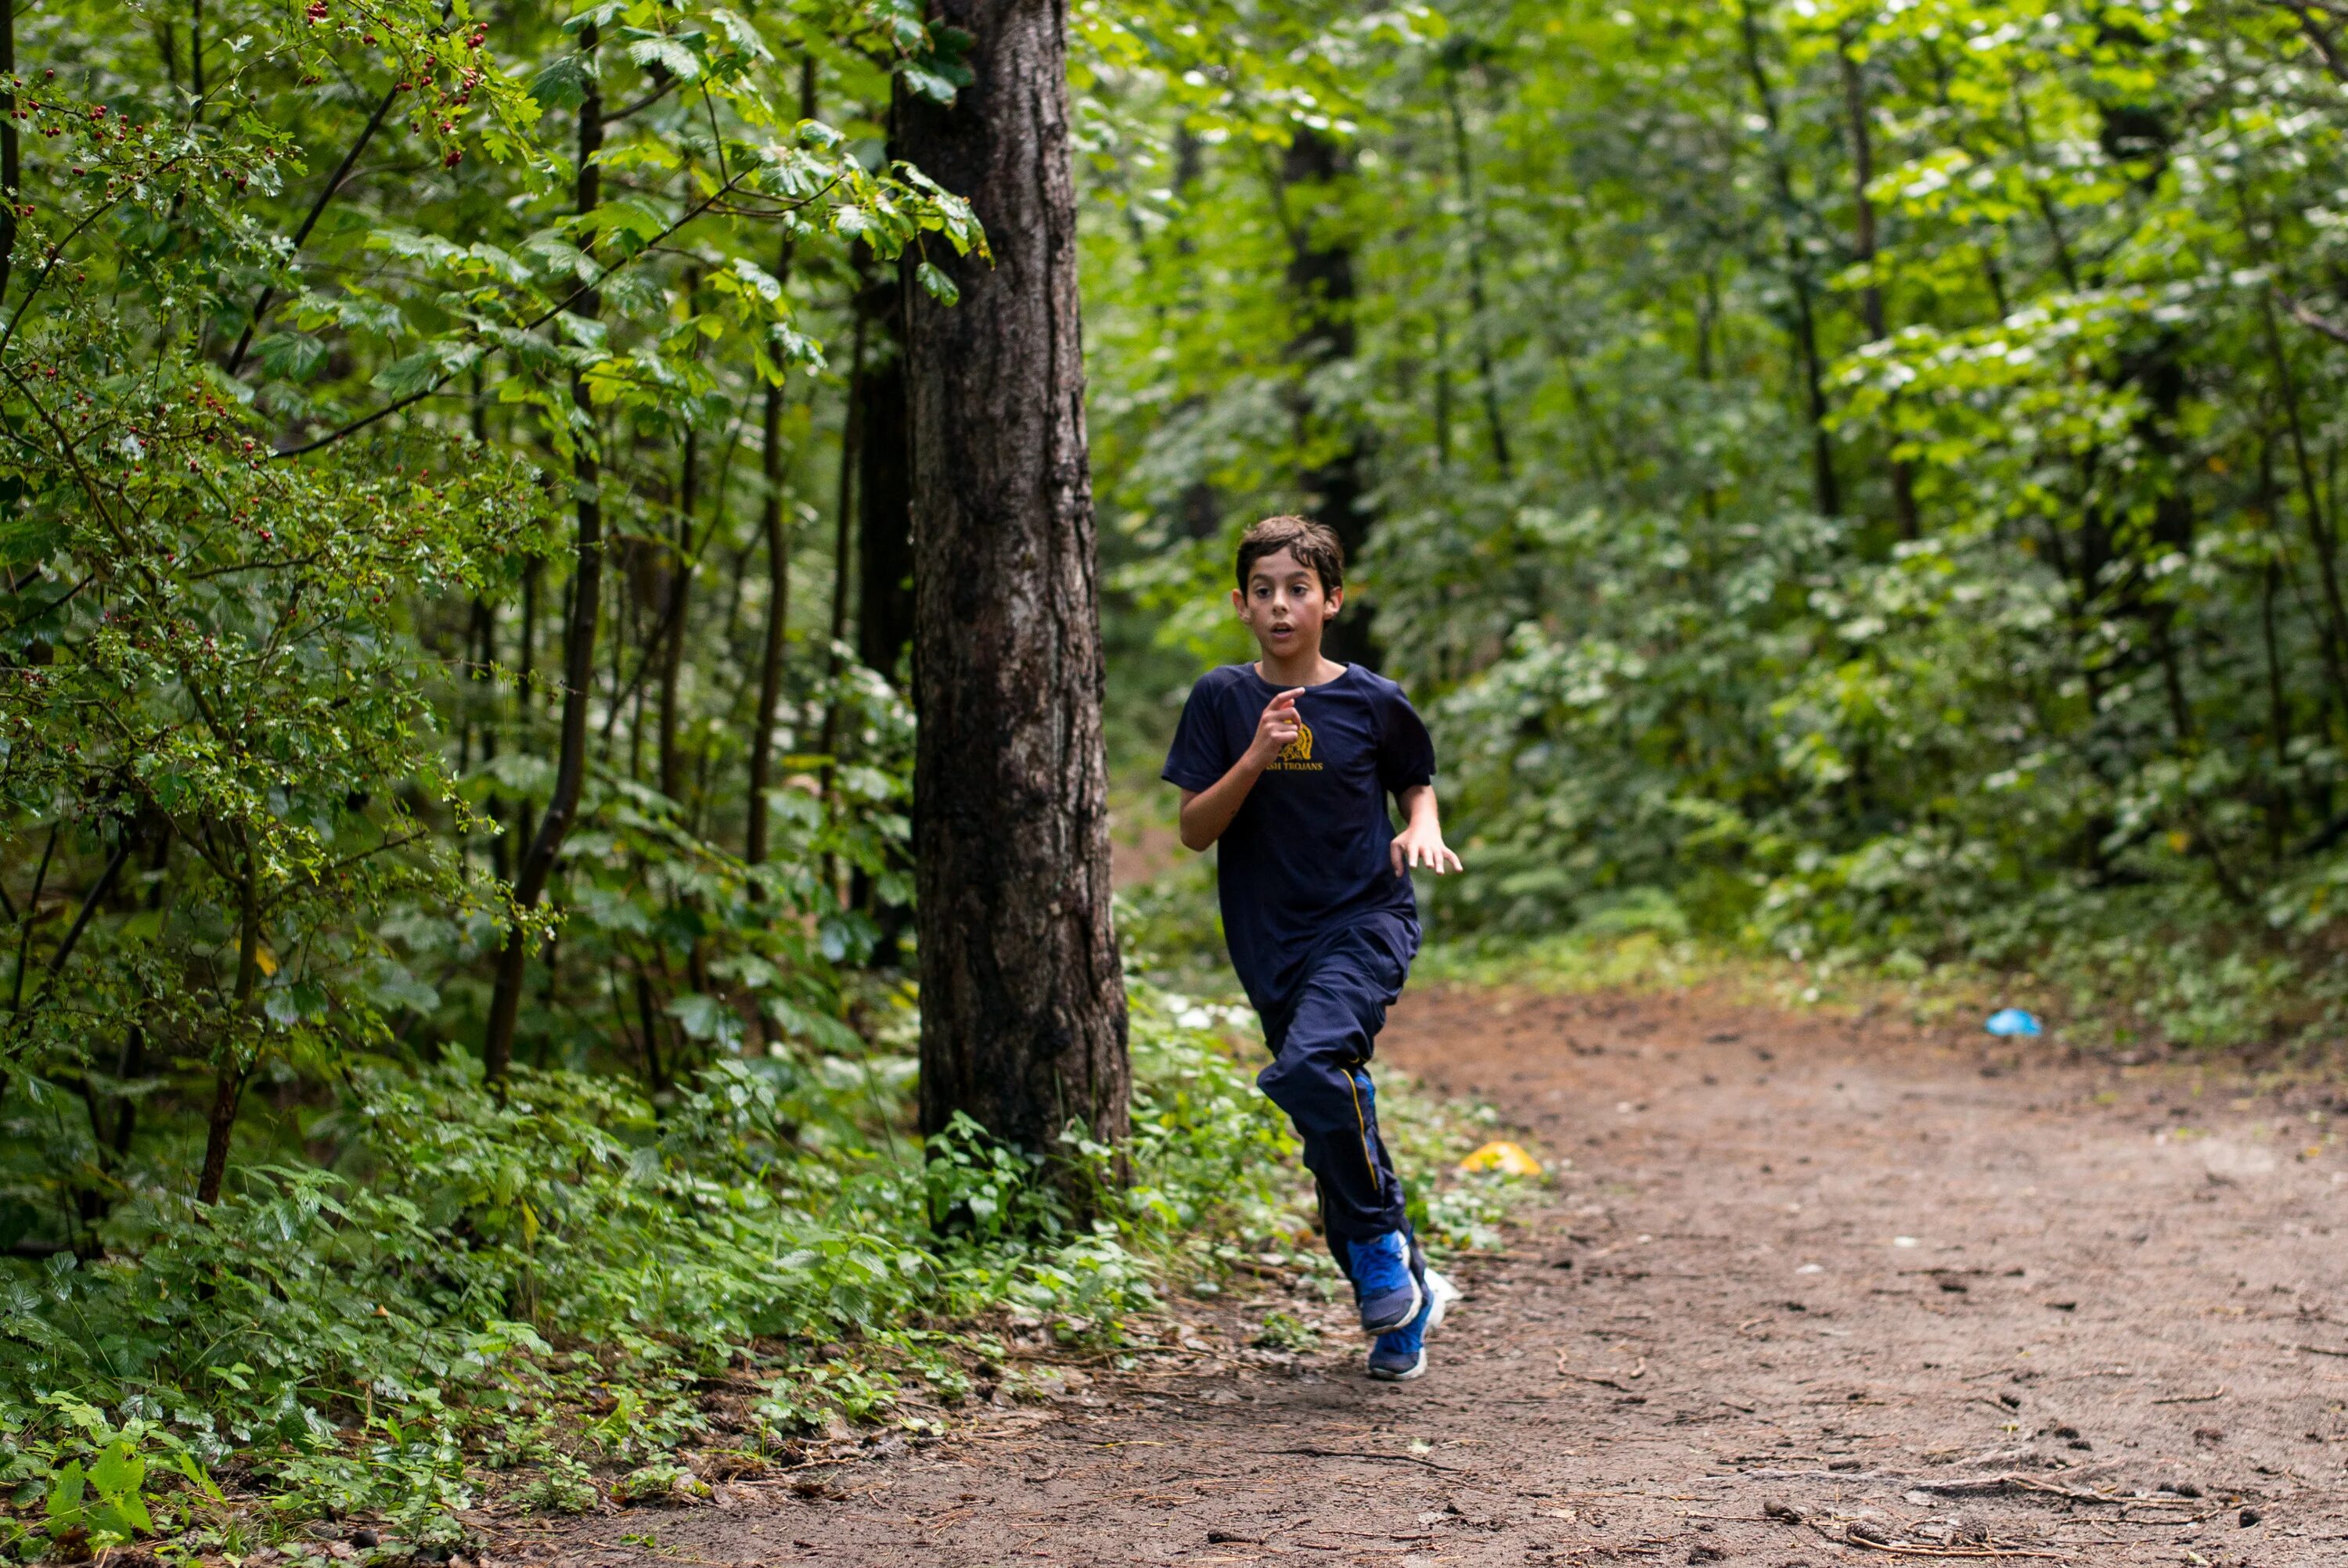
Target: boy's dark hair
pixel 1313 543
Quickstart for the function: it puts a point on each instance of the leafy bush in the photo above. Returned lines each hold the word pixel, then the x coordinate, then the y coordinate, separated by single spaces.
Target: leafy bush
pixel 543 1279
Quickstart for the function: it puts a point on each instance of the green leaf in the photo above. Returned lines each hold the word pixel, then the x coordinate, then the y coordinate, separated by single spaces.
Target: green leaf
pixel 562 82
pixel 704 1017
pixel 414 373
pixel 668 55
pixel 740 33
pixel 119 1470
pixel 64 1503
pixel 941 288
pixel 290 356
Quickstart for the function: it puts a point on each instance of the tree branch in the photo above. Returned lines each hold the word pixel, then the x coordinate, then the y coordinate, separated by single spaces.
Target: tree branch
pixel 2308 319
pixel 317 208
pixel 388 409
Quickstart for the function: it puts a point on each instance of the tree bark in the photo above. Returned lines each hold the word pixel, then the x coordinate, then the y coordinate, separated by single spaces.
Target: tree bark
pixel 578 644
pixel 1023 1003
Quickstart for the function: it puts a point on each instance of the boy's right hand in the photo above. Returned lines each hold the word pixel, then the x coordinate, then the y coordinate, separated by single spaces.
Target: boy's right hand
pixel 1278 725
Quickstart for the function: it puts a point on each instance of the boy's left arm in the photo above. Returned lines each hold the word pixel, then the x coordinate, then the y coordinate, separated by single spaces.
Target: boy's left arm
pixel 1420 843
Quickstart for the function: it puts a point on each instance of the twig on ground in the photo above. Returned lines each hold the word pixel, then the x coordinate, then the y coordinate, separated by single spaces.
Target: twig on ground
pixel 1358 1453
pixel 1898 1549
pixel 1990 1485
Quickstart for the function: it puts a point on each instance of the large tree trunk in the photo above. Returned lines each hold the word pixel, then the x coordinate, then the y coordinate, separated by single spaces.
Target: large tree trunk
pixel 1023 1005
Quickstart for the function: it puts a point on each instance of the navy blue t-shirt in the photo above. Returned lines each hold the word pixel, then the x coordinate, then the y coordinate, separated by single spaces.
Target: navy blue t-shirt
pixel 1307 855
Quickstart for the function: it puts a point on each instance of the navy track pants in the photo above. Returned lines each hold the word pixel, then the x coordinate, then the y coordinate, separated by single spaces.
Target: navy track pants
pixel 1322 1039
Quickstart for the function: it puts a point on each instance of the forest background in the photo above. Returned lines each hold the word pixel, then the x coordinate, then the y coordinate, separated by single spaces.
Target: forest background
pixel 1855 482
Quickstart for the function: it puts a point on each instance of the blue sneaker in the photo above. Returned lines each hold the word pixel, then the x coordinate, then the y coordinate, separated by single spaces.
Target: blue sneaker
pixel 1401 1355
pixel 1389 1293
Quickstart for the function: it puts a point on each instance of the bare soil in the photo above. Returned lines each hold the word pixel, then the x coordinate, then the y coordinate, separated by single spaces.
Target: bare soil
pixel 1809 1291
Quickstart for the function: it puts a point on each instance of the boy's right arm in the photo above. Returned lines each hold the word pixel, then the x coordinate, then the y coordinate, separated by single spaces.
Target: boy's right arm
pixel 1207 813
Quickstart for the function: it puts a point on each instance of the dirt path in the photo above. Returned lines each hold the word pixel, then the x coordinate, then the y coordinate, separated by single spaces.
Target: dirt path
pixel 1844 1272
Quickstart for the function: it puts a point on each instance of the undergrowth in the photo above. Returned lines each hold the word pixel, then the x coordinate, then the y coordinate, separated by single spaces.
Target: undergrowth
pixel 563 1295
pixel 2129 997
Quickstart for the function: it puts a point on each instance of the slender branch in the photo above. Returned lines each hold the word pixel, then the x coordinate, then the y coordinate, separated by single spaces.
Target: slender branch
pixel 716 141
pixel 89 907
pixel 644 102
pixel 2308 319
pixel 2316 35
pixel 56 253
pixel 532 324
pixel 73 937
pixel 32 909
pixel 54 605
pixel 317 208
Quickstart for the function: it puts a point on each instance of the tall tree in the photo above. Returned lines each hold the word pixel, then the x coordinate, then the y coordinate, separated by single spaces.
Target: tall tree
pixel 1023 1003
pixel 578 636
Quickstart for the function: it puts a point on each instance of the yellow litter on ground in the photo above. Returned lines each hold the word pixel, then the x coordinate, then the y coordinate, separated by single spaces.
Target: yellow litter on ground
pixel 1508 1159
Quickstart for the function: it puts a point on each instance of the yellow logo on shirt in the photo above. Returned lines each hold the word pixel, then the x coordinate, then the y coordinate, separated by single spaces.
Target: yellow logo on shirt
pixel 1296 757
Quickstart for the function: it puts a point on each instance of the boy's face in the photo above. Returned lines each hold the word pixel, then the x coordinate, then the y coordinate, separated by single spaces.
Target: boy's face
pixel 1285 606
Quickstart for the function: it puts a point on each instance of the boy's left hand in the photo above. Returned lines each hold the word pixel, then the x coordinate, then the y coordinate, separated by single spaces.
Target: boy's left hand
pixel 1421 844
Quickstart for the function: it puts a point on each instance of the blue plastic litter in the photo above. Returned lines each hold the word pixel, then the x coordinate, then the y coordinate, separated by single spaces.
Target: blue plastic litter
pixel 2012 1021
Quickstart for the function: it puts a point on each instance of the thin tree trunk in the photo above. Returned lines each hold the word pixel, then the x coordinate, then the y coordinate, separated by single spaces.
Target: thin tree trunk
pixel 228 1084
pixel 673 614
pixel 884 501
pixel 1023 1004
pixel 1863 249
pixel 2319 532
pixel 2278 799
pixel 1320 276
pixel 779 609
pixel 511 846
pixel 578 644
pixel 779 564
pixel 1464 170
pixel 884 559
pixel 852 432
pixel 1826 491
pixel 11 175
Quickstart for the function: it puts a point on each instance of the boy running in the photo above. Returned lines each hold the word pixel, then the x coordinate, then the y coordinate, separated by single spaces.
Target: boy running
pixel 1287 763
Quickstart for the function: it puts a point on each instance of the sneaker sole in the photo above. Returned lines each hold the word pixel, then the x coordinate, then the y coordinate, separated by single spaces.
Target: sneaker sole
pixel 1415 1369
pixel 1444 1293
pixel 1417 1300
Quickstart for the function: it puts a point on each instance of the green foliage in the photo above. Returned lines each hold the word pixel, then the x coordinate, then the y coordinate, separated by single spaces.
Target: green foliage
pixel 1851 480
pixel 544 1279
